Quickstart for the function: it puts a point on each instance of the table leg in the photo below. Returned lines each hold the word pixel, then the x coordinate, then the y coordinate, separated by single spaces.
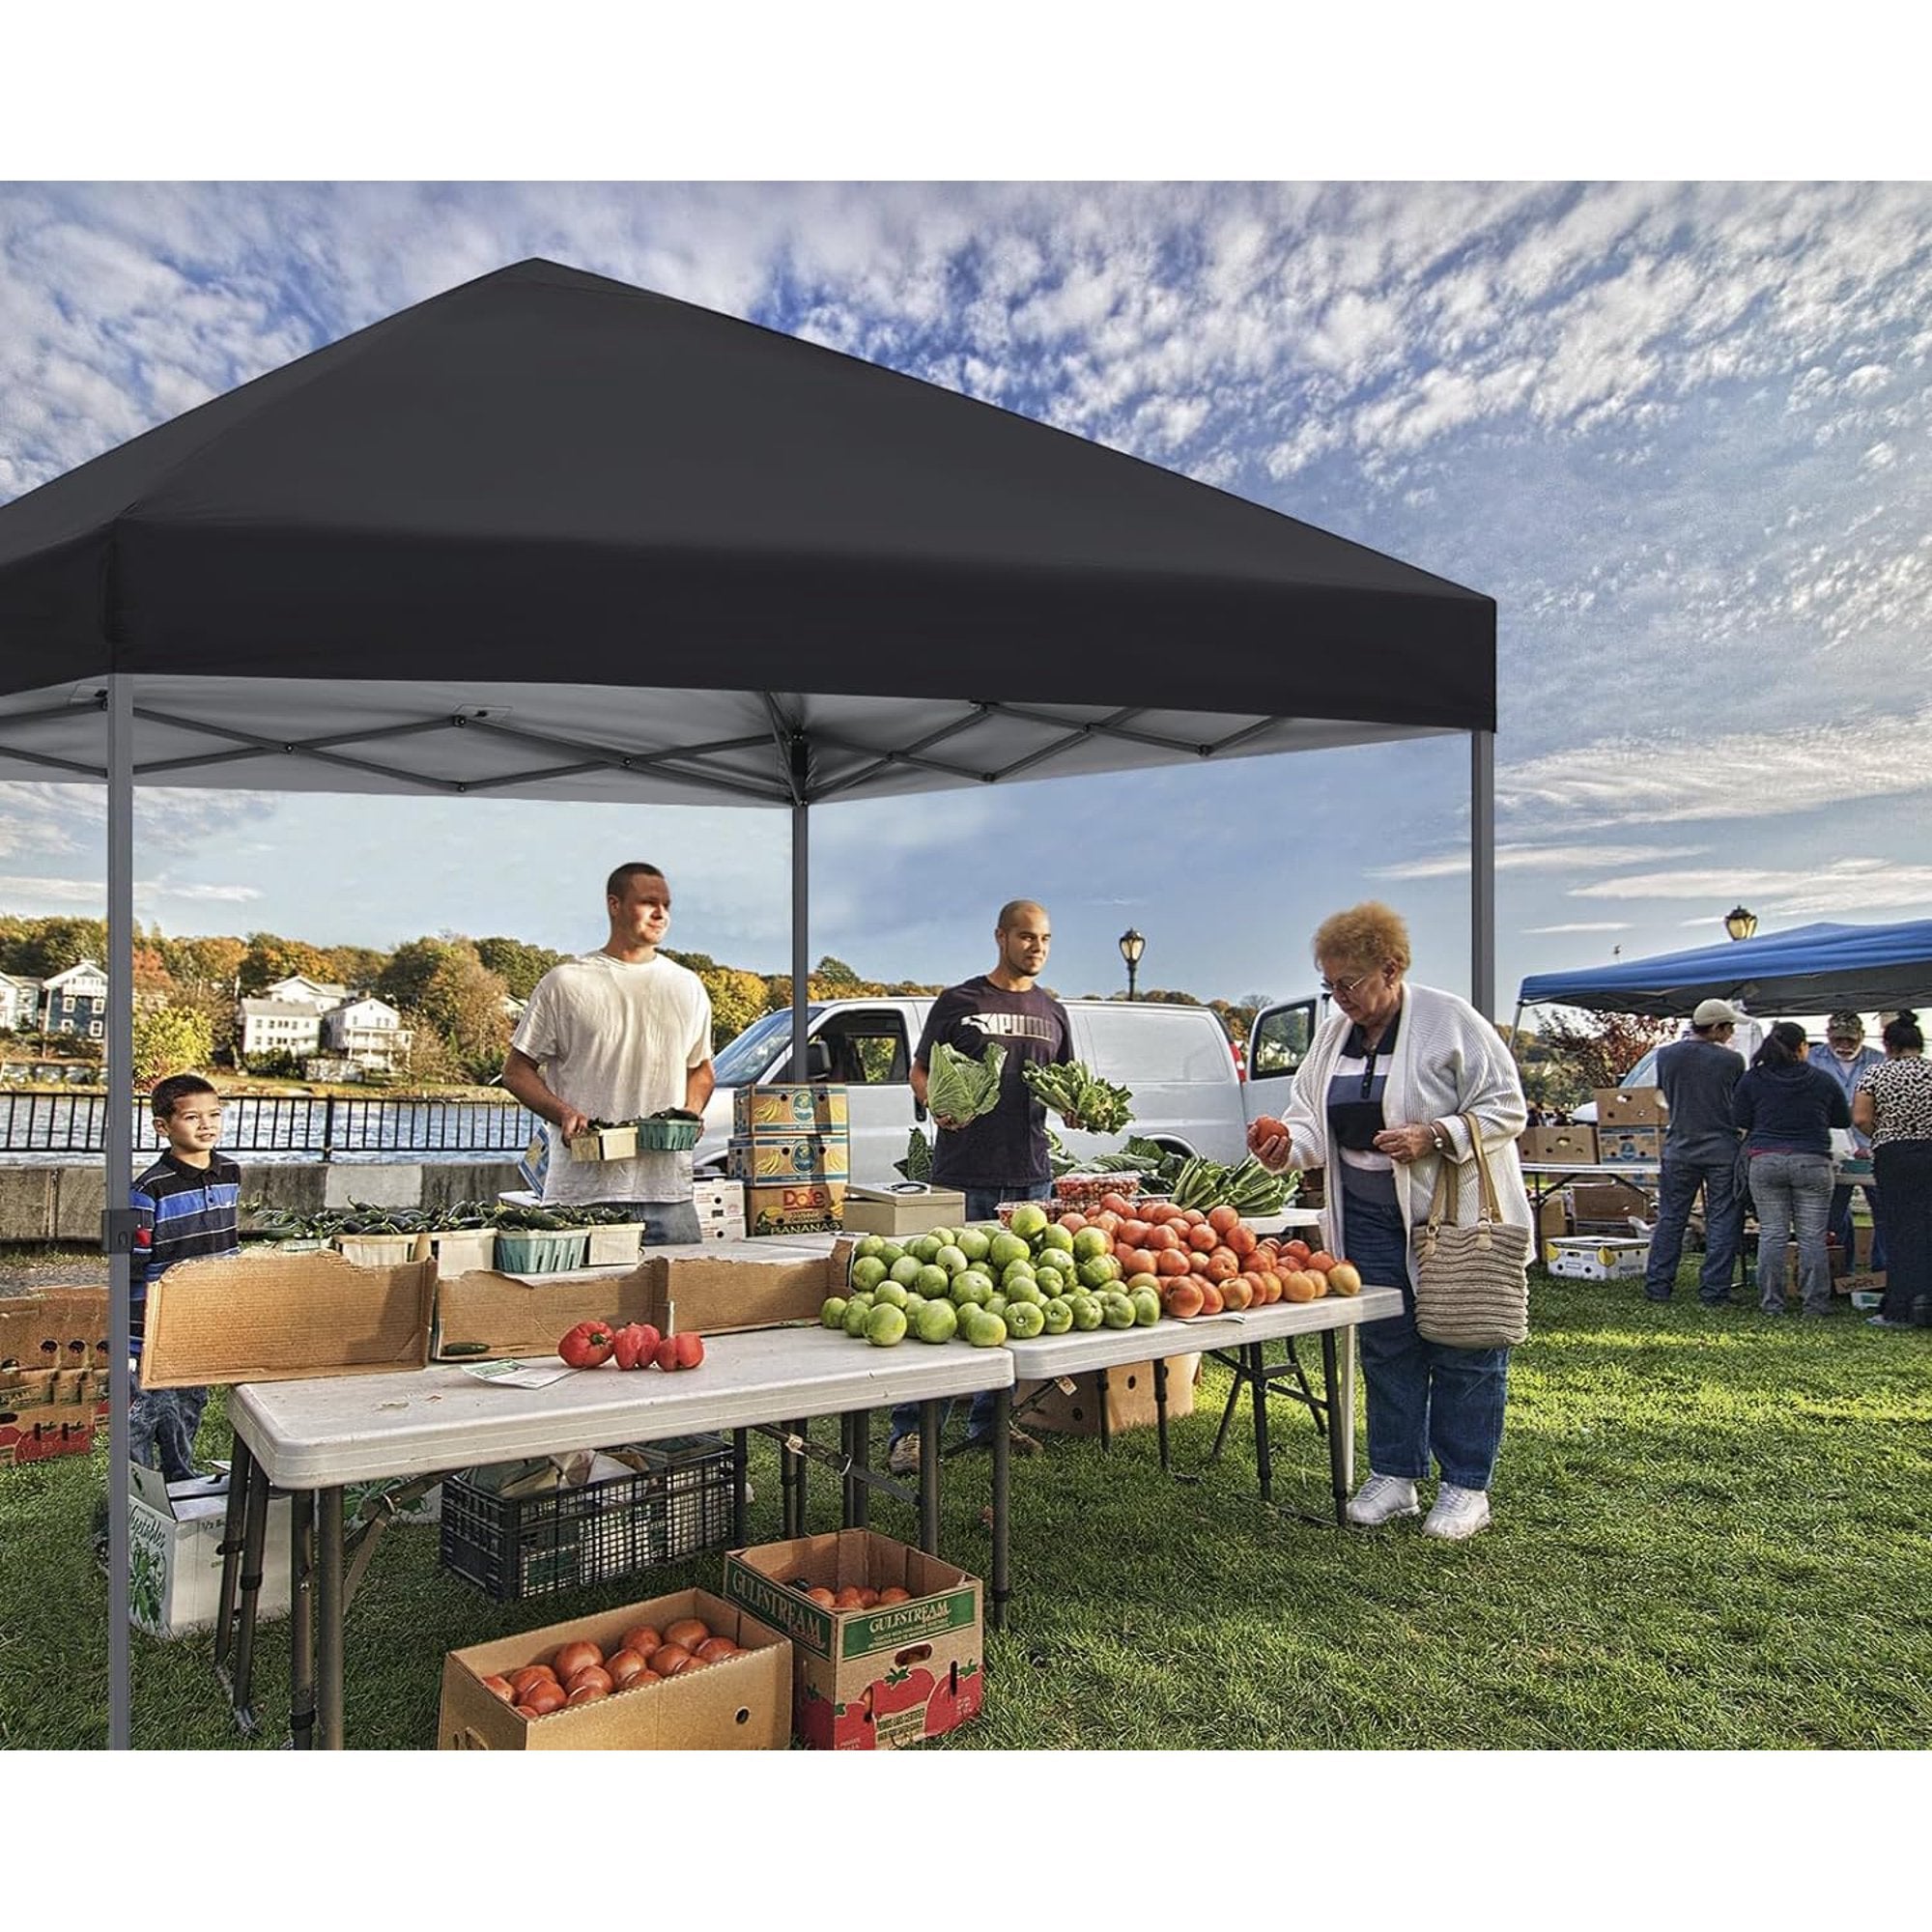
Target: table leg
pixel 741 1475
pixel 1340 1368
pixel 1160 1410
pixel 791 1482
pixel 932 1422
pixel 233 1531
pixel 1236 1359
pixel 1100 1396
pixel 859 1449
pixel 329 1617
pixel 302 1619
pixel 254 1553
pixel 1264 1457
pixel 1003 1456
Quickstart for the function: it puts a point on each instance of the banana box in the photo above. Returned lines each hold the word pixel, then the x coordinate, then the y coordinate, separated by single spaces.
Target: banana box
pixel 779 1163
pixel 761 1113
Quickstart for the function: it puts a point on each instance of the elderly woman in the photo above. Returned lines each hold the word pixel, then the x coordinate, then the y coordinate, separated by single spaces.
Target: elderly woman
pixel 1893 1105
pixel 1378 1103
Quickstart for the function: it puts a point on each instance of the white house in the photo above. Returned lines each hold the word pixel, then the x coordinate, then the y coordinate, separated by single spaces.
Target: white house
pixel 76 1001
pixel 19 1002
pixel 369 1031
pixel 300 990
pixel 279 1026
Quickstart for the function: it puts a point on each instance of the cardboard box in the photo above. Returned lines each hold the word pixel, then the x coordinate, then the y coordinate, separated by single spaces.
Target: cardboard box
pixel 1558 1147
pixel 715 1287
pixel 1597 1258
pixel 1131 1402
pixel 1607 1201
pixel 600 1143
pixel 53 1373
pixel 739 1703
pixel 910 1208
pixel 486 1313
pixel 1553 1222
pixel 1618 1145
pixel 464 1249
pixel 173 1552
pixel 759 1112
pixel 868 1680
pixel 271 1317
pixel 1629 1107
pixel 799 1208
pixel 774 1162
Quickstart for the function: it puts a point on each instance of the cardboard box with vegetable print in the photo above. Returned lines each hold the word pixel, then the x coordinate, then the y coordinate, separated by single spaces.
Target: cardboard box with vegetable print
pixel 53 1373
pixel 869 1678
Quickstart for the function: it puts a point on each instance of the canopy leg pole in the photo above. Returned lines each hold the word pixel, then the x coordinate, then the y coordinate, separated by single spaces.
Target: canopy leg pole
pixel 1483 873
pixel 801 933
pixel 117 1156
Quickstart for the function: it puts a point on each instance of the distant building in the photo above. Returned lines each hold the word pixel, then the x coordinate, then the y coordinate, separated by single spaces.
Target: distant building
pixel 19 1002
pixel 279 1026
pixel 369 1031
pixel 300 990
pixel 75 1002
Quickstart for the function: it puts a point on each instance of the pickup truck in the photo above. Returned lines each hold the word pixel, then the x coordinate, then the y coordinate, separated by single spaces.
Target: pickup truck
pixel 1190 1092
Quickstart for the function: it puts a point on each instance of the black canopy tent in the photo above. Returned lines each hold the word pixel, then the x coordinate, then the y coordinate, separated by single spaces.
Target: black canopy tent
pixel 551 537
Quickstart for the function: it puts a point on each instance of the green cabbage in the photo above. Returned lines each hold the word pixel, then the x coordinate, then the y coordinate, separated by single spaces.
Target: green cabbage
pixel 959 1088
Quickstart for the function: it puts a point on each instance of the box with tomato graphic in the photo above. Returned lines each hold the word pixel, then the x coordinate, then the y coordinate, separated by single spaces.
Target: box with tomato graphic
pixel 53 1373
pixel 872 1676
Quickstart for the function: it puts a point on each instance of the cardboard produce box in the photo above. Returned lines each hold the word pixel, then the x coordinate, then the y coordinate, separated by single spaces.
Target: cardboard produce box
pixel 268 1318
pixel 1628 1107
pixel 719 1206
pixel 1558 1147
pixel 1607 1201
pixel 715 1287
pixel 910 1208
pixel 773 1162
pixel 173 1552
pixel 868 1680
pixel 53 1373
pixel 739 1703
pixel 1130 1404
pixel 761 1112
pixel 1617 1145
pixel 487 1312
pixel 1597 1258
pixel 798 1207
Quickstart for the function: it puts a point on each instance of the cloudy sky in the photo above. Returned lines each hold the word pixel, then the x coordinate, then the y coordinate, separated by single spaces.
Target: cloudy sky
pixel 1678 432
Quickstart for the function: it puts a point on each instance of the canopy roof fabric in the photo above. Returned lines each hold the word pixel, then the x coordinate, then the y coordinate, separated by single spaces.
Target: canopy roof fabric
pixel 543 485
pixel 1809 969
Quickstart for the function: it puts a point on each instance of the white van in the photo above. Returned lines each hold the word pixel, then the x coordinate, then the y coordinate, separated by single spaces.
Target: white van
pixel 1189 1093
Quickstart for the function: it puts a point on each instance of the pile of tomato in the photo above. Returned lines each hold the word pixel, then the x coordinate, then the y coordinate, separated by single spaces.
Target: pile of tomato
pixel 579 1672
pixel 851 1596
pixel 634 1345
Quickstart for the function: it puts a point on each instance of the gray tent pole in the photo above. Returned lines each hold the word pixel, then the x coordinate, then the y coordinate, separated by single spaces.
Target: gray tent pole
pixel 801 935
pixel 1483 873
pixel 116 1157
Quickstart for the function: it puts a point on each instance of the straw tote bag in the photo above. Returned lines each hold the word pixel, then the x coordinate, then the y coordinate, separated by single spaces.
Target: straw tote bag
pixel 1471 1284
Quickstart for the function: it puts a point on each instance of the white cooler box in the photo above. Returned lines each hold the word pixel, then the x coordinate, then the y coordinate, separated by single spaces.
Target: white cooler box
pixel 1598 1257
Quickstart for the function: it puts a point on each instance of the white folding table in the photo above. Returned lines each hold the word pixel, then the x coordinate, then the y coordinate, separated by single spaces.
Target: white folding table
pixel 311 1437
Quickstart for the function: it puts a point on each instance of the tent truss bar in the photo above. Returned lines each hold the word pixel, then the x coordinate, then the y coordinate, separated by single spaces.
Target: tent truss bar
pixel 1115 727
pixel 663 764
pixel 257 746
pixel 909 754
pixel 795 765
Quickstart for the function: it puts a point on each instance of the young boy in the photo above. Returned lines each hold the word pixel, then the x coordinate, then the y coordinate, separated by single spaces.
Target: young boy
pixel 189 1206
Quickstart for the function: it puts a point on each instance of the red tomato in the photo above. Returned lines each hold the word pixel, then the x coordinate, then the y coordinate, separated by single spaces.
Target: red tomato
pixel 713 1648
pixel 573 1658
pixel 635 1344
pixel 531 1673
pixel 1201 1235
pixel 688 1633
pixel 680 1352
pixel 593 1675
pixel 1222 1218
pixel 893 1593
pixel 642 1638
pixel 623 1665
pixel 587 1346
pixel 541 1699
pixel 500 1687
pixel 671 1659
pixel 590 1693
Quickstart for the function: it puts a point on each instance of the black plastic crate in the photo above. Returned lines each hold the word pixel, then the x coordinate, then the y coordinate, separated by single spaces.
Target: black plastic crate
pixel 516 1547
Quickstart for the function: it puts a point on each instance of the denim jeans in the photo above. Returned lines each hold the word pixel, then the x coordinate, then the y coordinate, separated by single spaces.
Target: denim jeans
pixel 982 1204
pixel 664 1221
pixel 1423 1396
pixel 1903 1172
pixel 161 1425
pixel 1793 1192
pixel 1723 1225
pixel 1840 1224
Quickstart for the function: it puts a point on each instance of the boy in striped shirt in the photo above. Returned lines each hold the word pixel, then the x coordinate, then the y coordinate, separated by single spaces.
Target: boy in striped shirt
pixel 189 1206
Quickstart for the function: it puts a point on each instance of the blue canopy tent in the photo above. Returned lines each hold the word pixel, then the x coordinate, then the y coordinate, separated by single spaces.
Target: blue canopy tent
pixel 1808 969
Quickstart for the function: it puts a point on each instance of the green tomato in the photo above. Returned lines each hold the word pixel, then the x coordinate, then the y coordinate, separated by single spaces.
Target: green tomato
pixel 892 1294
pixel 832 1313
pixel 1057 1315
pixel 868 1271
pixel 905 1270
pixel 1025 1320
pixel 936 1322
pixel 1085 1312
pixel 885 1327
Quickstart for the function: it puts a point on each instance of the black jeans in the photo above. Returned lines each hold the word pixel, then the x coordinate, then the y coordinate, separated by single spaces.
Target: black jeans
pixel 1903 1171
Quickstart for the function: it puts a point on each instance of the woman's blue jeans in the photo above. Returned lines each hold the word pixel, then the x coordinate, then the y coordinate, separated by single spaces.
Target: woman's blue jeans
pixel 1423 1397
pixel 1793 1192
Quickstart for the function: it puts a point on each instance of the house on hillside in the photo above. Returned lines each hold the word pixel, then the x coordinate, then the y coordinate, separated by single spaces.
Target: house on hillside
pixel 279 1026
pixel 19 1002
pixel 300 990
pixel 369 1031
pixel 75 1002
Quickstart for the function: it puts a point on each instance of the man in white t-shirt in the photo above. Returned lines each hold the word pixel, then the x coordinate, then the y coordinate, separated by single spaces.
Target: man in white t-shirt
pixel 612 1035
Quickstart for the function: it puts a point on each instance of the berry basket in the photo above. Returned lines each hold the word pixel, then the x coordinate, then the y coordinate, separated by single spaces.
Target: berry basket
pixel 1082 1191
pixel 541 1250
pixel 674 1136
pixel 516 1547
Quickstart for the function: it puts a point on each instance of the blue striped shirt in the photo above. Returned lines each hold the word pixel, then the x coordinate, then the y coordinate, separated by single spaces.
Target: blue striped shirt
pixel 184 1213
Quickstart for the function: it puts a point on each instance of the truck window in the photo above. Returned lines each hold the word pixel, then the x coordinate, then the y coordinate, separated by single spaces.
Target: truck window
pixel 1281 1040
pixel 865 1049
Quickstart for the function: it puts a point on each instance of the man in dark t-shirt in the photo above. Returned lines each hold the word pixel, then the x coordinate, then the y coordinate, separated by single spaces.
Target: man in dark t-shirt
pixel 1700 1150
pixel 1002 1156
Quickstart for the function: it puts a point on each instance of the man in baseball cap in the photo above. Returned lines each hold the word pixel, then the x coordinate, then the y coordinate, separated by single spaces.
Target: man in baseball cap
pixel 1846 1062
pixel 1700 1150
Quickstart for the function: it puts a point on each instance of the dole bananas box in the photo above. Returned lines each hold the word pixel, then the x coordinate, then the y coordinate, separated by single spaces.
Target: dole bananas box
pixel 777 1161
pixel 763 1113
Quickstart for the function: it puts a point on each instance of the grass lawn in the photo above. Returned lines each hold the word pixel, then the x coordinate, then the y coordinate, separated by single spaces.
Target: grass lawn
pixel 1710 1531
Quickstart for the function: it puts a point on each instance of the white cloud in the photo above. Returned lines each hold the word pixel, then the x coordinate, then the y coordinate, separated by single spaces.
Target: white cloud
pixel 1846 885
pixel 1584 925
pixel 1535 859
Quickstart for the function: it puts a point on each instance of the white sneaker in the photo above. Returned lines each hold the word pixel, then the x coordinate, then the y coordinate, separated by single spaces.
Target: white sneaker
pixel 1382 1497
pixel 1457 1513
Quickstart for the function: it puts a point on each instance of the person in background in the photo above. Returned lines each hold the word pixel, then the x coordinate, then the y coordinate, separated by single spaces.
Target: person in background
pixel 187 1206
pixel 1700 1150
pixel 1379 1101
pixel 614 1035
pixel 1002 1156
pixel 1848 1063
pixel 1893 1106
pixel 1787 1110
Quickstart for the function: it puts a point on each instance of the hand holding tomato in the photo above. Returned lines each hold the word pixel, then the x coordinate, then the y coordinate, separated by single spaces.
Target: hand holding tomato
pixel 1268 1142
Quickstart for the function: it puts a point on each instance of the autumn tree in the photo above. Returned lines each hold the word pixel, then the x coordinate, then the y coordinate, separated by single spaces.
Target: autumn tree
pixel 44 947
pixel 1582 1052
pixel 356 967
pixel 442 985
pixel 206 962
pixel 271 957
pixel 170 1039
pixel 518 963
pixel 737 999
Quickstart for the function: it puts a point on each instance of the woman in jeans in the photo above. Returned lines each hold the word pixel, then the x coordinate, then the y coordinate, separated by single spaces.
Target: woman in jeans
pixel 1378 1102
pixel 1893 1105
pixel 1787 1110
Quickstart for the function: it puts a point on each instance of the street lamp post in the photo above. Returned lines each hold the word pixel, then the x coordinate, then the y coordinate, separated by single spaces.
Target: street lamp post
pixel 1133 945
pixel 1740 922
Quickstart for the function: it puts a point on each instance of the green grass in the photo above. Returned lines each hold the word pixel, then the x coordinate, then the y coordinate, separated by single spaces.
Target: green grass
pixel 1710 1532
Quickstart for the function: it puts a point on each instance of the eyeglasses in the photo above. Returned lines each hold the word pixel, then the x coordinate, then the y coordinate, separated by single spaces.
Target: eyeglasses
pixel 1344 987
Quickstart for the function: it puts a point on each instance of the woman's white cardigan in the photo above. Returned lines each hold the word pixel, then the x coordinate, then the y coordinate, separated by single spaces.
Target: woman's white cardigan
pixel 1448 1061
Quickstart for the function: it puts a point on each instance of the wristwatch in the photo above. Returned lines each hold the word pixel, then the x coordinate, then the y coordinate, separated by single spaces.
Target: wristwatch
pixel 1438 1137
